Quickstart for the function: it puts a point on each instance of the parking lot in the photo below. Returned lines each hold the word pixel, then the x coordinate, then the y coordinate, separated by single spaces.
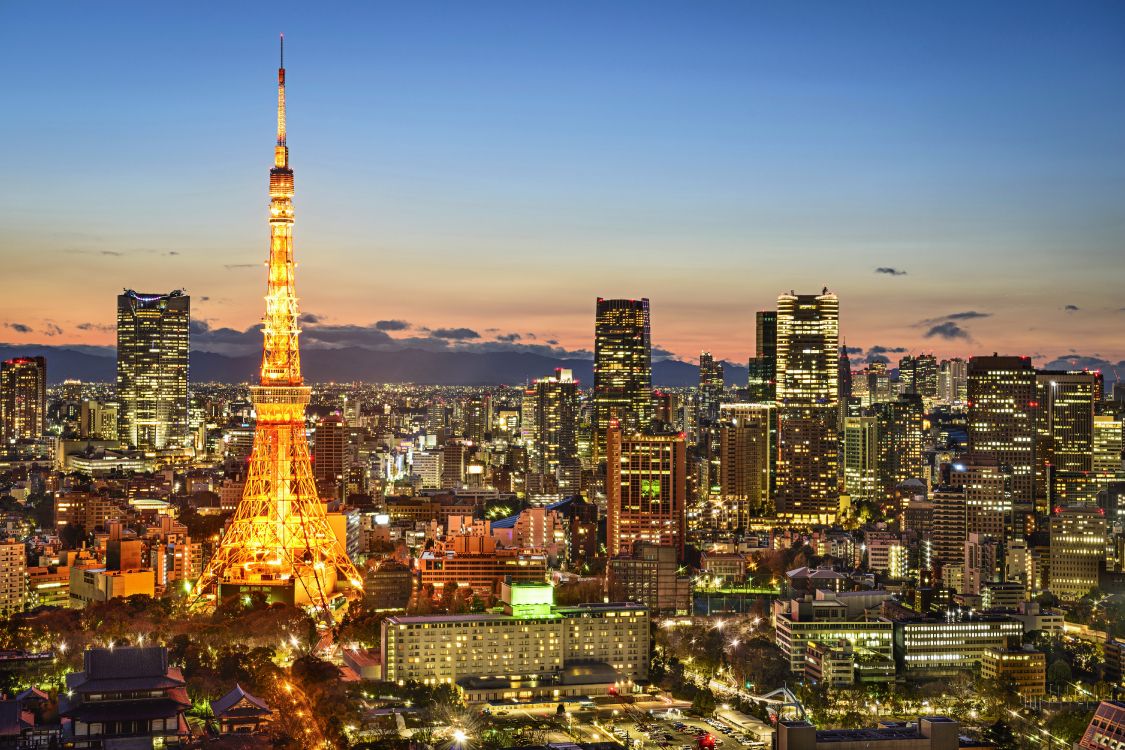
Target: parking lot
pixel 681 733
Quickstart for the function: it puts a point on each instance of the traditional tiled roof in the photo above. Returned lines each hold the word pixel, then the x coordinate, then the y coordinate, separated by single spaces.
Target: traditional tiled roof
pixel 124 670
pixel 223 706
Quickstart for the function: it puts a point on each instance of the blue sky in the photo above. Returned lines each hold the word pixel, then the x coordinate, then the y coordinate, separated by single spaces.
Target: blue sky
pixel 497 166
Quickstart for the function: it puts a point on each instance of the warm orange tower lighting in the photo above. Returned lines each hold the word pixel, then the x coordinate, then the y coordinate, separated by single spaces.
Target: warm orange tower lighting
pixel 279 542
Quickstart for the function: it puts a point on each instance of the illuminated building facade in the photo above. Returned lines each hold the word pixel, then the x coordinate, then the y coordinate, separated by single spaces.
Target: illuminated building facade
pixel 826 619
pixel 762 376
pixel 1108 444
pixel 948 526
pixel 1065 434
pixel 622 368
pixel 710 387
pixel 808 339
pixel 747 438
pixel 943 646
pixel 152 370
pixel 953 381
pixel 279 542
pixel 475 562
pixel 13 576
pixel 23 398
pixel 330 454
pixel 530 651
pixel 918 375
pixel 1078 549
pixel 556 429
pixel 899 438
pixel 861 451
pixel 646 490
pixel 1002 409
pixel 1027 670
pixel 650 576
pixel 807 466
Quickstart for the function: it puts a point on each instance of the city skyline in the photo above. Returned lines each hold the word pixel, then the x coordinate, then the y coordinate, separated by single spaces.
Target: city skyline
pixel 443 199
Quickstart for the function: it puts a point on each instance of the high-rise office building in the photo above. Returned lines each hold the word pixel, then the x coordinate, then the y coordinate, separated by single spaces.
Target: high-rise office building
pixel 807 466
pixel 1064 452
pixel 97 420
pixel 948 530
pixel 953 381
pixel 762 374
pixel 13 576
pixel 919 375
pixel 1078 544
pixel 861 452
pixel 747 437
pixel 710 387
pixel 1002 409
pixel 622 368
pixel 1108 445
pixel 23 398
pixel 152 369
pixel 899 429
pixel 330 453
pixel 808 340
pixel 987 487
pixel 646 490
pixel 477 414
pixel 556 430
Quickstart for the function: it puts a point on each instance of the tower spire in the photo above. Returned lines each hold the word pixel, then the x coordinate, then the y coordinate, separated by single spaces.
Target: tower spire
pixel 279 541
pixel 281 156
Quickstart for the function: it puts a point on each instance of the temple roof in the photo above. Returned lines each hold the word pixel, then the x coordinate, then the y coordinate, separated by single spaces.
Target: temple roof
pixel 223 706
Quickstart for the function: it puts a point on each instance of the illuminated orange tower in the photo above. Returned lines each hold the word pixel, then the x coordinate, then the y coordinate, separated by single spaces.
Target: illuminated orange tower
pixel 279 542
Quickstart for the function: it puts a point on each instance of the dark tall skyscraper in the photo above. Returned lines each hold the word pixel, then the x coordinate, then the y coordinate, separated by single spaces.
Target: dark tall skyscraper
pixel 152 369
pixel 23 398
pixel 622 368
pixel 1002 410
pixel 710 387
pixel 762 381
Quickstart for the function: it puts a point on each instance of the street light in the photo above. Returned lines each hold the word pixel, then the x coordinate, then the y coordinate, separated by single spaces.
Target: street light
pixel 459 737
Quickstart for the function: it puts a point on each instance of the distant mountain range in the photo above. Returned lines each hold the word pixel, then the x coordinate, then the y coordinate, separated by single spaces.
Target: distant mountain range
pixel 358 364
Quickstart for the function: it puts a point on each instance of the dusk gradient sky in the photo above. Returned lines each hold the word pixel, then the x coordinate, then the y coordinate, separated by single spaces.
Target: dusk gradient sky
pixel 497 166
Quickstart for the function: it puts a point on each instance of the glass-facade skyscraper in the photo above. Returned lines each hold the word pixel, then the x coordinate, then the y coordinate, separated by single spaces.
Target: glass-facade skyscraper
pixel 23 398
pixel 808 340
pixel 762 374
pixel 622 368
pixel 152 370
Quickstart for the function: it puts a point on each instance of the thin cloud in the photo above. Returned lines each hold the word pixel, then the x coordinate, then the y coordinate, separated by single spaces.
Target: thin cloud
pixel 391 325
pixel 878 349
pixel 455 334
pixel 237 266
pixel 890 271
pixel 310 318
pixel 1071 308
pixel 949 331
pixel 19 327
pixel 509 337
pixel 52 329
pixel 94 327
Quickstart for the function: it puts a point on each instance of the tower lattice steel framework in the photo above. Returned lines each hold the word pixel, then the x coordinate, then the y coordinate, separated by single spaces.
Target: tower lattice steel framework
pixel 280 537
